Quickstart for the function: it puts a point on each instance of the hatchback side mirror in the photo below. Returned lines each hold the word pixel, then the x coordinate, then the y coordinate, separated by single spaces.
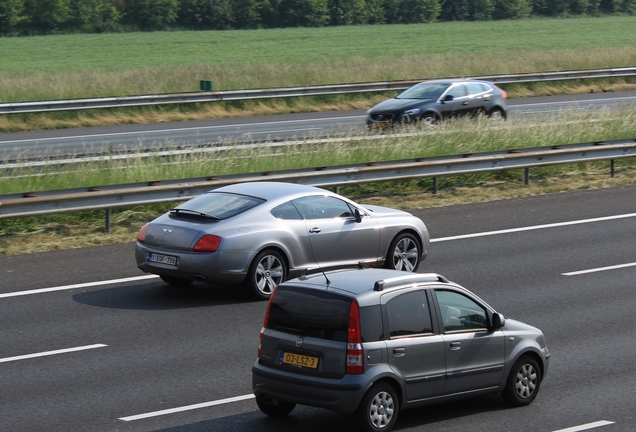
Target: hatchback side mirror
pixel 498 321
pixel 448 98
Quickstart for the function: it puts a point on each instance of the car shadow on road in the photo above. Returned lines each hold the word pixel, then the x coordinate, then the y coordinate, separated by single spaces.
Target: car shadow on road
pixel 307 419
pixel 160 296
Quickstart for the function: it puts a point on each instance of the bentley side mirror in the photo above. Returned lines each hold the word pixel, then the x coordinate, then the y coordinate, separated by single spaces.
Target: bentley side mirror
pixel 357 215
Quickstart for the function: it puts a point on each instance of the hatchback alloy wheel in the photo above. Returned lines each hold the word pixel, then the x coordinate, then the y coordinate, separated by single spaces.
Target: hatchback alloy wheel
pixel 379 408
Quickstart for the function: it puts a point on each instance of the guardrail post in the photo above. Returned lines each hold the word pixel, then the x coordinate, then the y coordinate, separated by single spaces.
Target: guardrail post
pixel 434 185
pixel 527 176
pixel 108 220
pixel 612 167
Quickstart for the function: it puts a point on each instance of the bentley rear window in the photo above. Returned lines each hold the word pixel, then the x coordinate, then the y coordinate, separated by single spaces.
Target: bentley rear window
pixel 216 205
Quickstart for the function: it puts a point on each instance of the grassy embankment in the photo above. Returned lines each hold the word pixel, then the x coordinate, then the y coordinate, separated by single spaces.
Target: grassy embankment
pixel 99 65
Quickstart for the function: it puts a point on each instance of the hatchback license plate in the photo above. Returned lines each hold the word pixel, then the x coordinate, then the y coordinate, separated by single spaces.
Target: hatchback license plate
pixel 162 259
pixel 299 360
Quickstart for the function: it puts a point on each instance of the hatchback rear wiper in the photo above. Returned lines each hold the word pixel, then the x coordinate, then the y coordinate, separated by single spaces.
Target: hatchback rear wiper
pixel 186 212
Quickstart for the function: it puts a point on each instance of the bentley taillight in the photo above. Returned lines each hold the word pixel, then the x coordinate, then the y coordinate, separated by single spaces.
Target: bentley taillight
pixel 207 243
pixel 141 237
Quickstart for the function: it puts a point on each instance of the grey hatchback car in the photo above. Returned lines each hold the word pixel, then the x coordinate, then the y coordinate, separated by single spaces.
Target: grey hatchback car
pixel 371 342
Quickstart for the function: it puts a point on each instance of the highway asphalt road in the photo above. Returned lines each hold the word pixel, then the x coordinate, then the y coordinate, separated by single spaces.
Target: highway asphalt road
pixel 99 140
pixel 89 343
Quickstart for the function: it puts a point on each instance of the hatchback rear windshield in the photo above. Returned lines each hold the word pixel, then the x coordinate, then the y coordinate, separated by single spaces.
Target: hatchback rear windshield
pixel 310 313
pixel 217 205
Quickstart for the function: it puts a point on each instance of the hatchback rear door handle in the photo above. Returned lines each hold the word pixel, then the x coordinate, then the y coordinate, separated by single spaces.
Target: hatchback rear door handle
pixel 399 352
pixel 454 346
pixel 315 230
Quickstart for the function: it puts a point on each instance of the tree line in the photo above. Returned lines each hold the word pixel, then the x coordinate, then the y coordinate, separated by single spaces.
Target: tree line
pixel 39 17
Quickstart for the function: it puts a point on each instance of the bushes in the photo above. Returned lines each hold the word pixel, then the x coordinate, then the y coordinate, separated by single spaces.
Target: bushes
pixel 28 17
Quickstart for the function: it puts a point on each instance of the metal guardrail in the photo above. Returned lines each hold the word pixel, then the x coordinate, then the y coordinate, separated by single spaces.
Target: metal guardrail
pixel 107 197
pixel 285 92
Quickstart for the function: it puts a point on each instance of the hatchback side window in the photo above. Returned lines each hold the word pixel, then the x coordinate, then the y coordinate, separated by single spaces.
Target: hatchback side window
pixel 459 312
pixel 322 207
pixel 409 315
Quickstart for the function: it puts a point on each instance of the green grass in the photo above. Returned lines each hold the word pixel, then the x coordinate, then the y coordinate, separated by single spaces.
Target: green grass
pixel 453 137
pixel 51 67
pixel 58 67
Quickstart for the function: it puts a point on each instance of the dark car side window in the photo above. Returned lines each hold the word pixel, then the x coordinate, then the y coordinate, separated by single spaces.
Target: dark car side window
pixel 459 312
pixel 409 315
pixel 286 211
pixel 457 91
pixel 476 88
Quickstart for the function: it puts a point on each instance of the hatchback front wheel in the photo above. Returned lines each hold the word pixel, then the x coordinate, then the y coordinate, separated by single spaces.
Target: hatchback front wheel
pixel 523 382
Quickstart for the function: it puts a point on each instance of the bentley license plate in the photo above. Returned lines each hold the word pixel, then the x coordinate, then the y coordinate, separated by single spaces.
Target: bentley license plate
pixel 162 259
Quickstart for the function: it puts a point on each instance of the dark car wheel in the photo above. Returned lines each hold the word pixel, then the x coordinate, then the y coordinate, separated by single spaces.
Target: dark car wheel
pixel 379 408
pixel 429 119
pixel 404 253
pixel 175 281
pixel 497 114
pixel 523 382
pixel 265 273
pixel 274 407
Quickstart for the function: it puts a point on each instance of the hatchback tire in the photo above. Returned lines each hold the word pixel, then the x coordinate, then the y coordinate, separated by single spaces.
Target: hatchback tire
pixel 266 272
pixel 379 408
pixel 404 253
pixel 274 407
pixel 523 382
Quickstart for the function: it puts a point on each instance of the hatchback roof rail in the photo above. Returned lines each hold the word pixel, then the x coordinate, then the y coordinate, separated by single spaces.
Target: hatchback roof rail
pixel 420 277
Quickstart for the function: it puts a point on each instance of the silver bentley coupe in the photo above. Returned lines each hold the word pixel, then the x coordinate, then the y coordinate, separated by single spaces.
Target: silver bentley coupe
pixel 260 234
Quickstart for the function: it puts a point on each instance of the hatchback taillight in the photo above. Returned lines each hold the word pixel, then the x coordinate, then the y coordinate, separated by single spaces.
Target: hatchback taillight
pixel 265 324
pixel 355 353
pixel 141 237
pixel 503 93
pixel 207 243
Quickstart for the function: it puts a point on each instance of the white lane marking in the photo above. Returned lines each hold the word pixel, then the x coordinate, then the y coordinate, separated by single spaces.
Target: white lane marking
pixel 534 227
pixel 158 131
pixel 586 426
pixel 598 269
pixel 187 408
pixel 282 130
pixel 49 353
pixel 82 285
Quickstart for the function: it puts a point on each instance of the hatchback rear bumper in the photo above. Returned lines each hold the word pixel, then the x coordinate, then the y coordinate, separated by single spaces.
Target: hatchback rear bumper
pixel 340 395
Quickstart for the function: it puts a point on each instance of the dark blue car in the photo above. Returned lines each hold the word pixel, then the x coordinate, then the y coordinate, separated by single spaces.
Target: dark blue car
pixel 432 101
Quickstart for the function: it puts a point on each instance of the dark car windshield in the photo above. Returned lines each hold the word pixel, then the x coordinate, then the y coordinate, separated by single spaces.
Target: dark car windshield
pixel 424 91
pixel 216 205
